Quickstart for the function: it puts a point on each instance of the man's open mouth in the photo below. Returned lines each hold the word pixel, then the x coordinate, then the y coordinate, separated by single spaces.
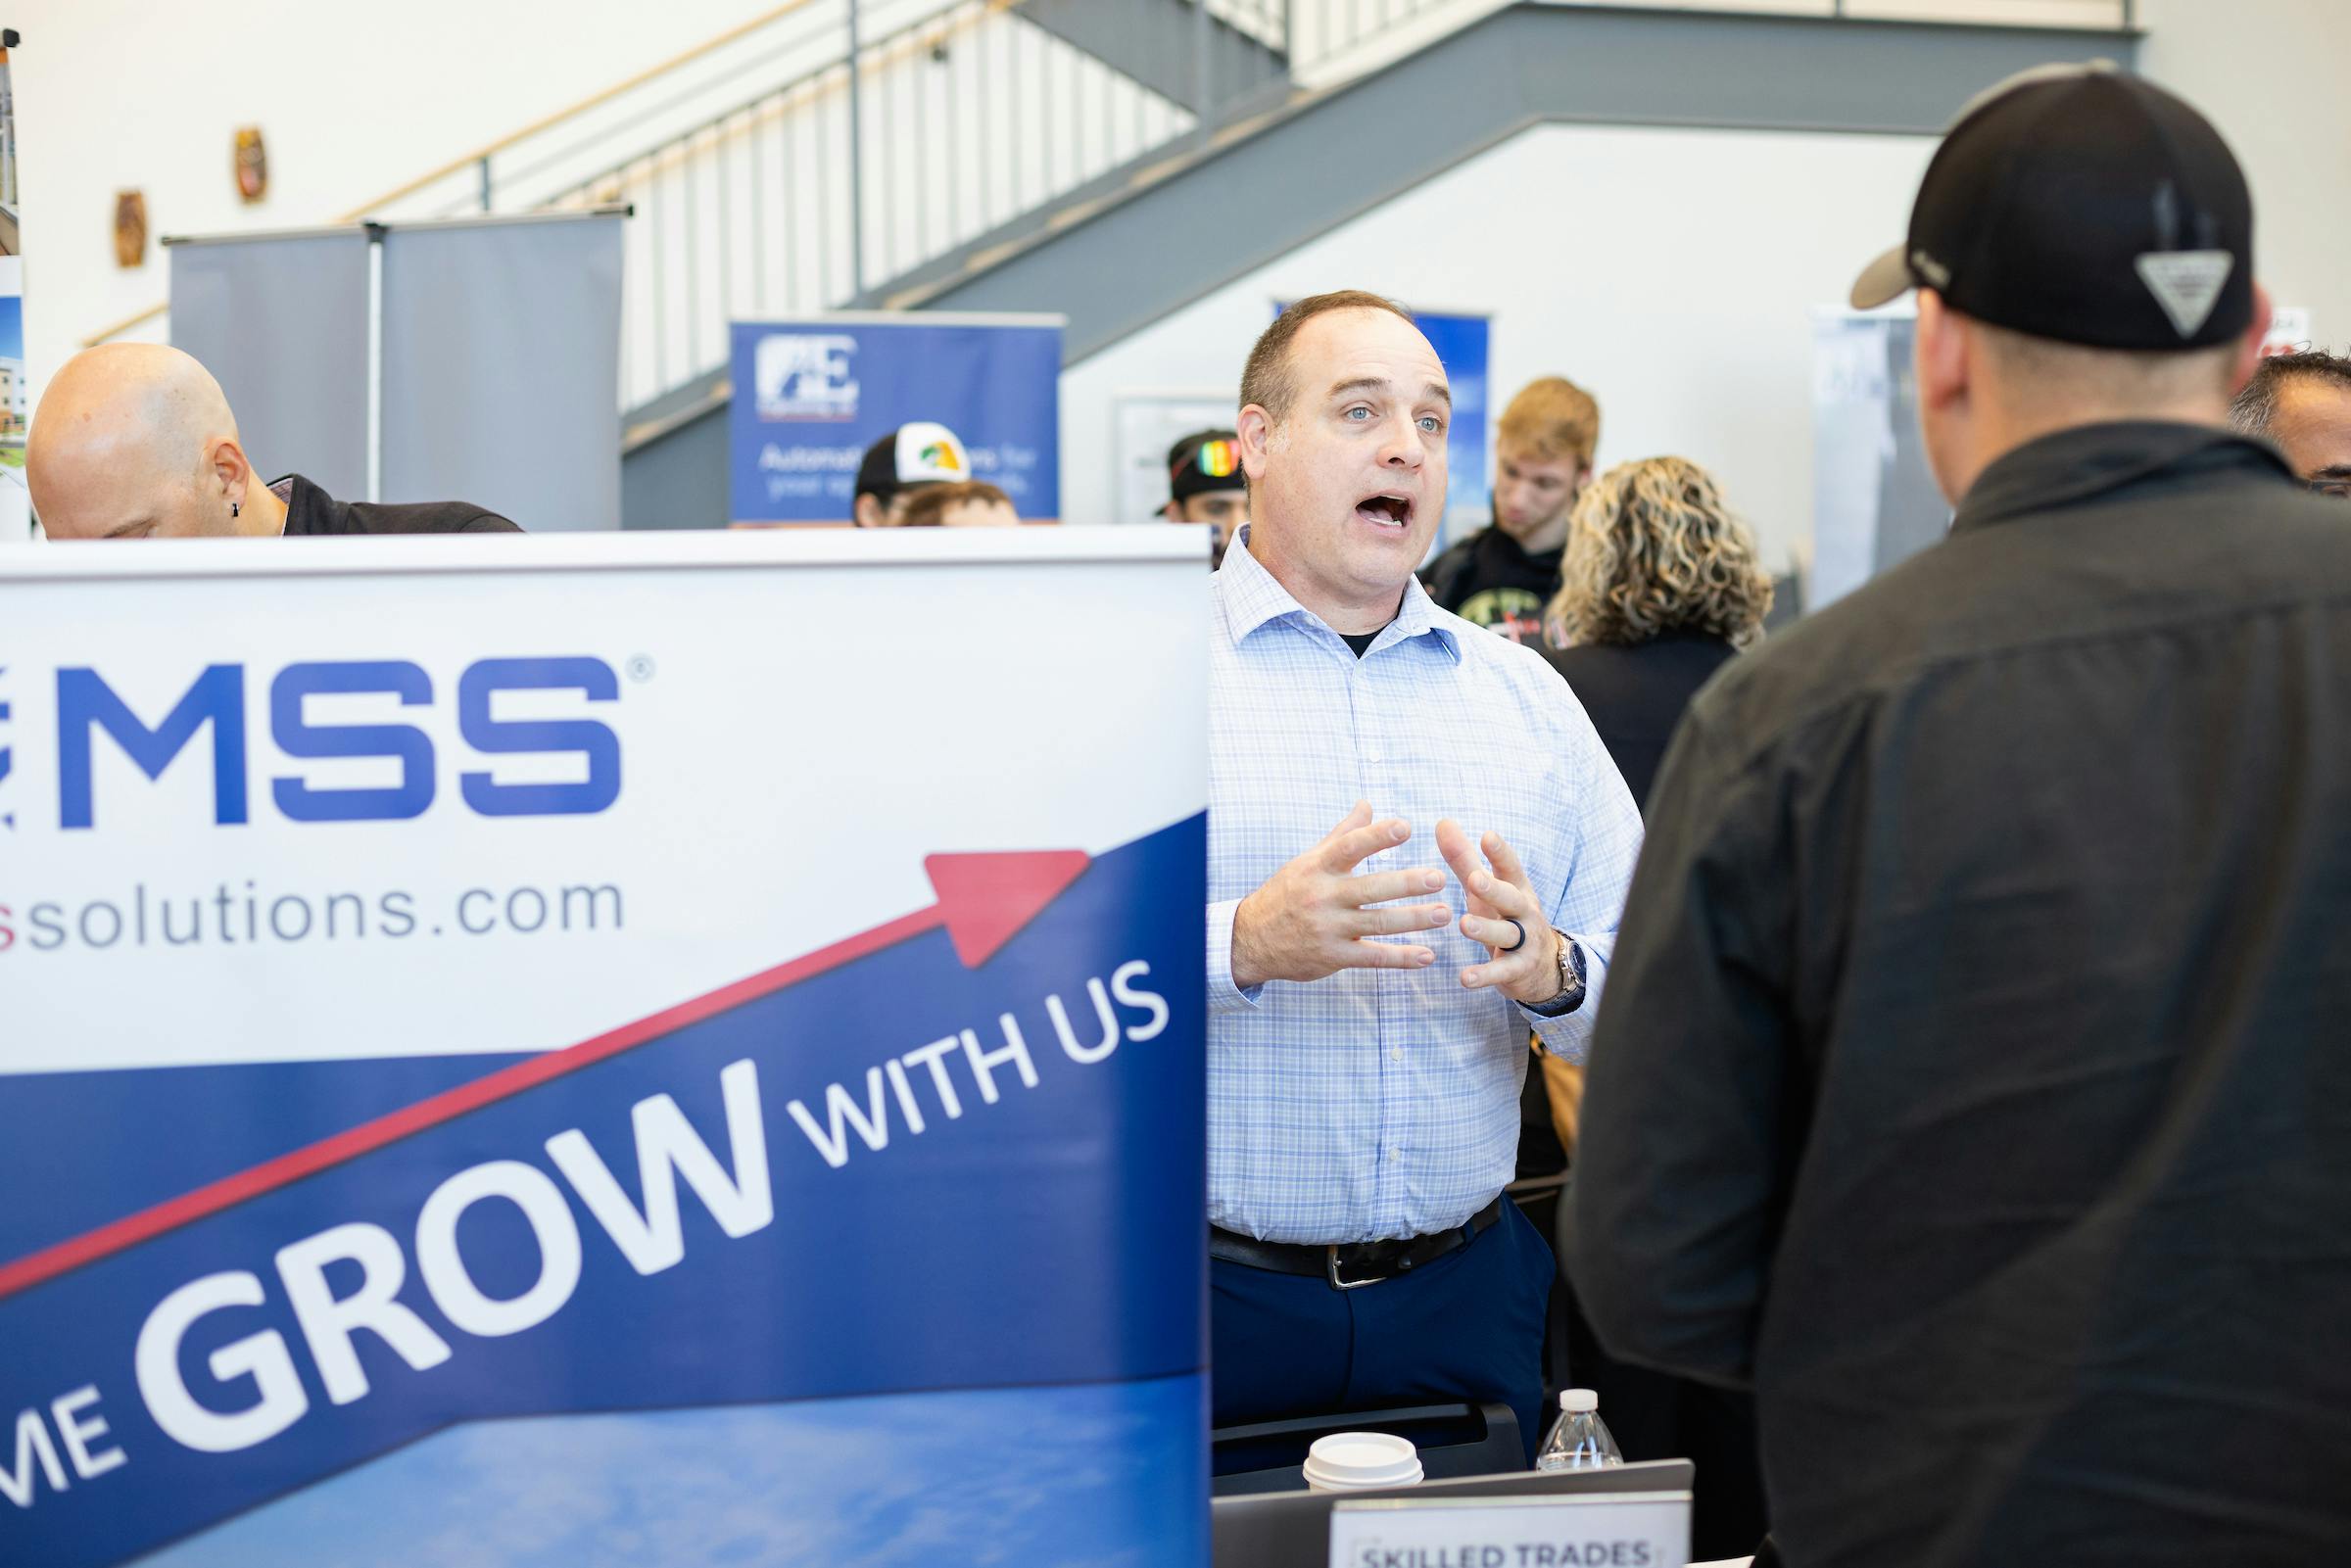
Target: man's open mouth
pixel 1386 509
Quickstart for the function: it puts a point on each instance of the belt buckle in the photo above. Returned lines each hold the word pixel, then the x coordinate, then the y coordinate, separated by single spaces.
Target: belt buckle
pixel 1330 1256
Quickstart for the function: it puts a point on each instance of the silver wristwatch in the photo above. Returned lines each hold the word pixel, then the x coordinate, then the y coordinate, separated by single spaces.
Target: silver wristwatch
pixel 1571 981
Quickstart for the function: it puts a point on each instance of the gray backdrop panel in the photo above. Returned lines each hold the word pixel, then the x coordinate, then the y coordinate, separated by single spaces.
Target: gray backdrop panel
pixel 282 324
pixel 502 369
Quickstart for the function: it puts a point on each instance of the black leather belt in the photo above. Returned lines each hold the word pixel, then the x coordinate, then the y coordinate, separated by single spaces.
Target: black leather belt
pixel 1356 1264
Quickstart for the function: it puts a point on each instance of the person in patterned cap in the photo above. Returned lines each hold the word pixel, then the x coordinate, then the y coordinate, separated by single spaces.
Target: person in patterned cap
pixel 916 454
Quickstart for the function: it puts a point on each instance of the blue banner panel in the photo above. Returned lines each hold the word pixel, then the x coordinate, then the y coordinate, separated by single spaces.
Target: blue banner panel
pixel 1069 1477
pixel 914 1161
pixel 1462 343
pixel 811 395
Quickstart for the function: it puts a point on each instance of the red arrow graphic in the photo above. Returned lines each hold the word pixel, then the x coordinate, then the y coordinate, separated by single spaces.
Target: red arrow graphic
pixel 983 901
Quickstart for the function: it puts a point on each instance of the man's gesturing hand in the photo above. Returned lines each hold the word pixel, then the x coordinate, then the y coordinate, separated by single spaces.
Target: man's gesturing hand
pixel 1313 918
pixel 1530 973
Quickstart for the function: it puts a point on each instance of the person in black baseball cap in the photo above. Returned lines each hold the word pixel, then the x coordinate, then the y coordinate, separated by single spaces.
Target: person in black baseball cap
pixel 1970 1082
pixel 1206 485
pixel 2072 210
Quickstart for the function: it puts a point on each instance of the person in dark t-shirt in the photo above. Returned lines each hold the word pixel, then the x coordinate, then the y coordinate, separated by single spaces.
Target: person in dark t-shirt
pixel 136 441
pixel 1501 577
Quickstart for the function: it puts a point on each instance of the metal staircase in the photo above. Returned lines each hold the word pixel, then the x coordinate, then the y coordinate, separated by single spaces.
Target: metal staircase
pixel 1114 159
pixel 1279 170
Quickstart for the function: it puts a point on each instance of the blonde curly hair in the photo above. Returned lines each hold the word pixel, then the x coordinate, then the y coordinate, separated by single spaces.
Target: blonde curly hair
pixel 1651 549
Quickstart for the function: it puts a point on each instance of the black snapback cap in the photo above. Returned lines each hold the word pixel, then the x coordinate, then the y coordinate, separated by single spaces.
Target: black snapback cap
pixel 877 469
pixel 1203 462
pixel 2082 203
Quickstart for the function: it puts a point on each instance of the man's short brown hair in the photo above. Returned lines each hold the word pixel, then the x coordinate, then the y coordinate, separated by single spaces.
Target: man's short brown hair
pixel 1267 381
pixel 1550 421
pixel 926 504
pixel 2256 404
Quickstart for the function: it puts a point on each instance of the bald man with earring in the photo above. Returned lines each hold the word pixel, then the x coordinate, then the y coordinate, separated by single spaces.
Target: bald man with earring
pixel 136 441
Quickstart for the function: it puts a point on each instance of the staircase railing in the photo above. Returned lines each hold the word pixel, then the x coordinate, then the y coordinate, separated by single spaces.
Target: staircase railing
pixel 831 153
pixel 961 123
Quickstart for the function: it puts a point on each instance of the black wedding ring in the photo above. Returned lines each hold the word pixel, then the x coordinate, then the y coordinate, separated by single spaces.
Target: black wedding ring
pixel 1514 947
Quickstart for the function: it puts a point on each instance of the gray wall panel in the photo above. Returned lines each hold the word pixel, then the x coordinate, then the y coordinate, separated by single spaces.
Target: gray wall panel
pixel 282 325
pixel 680 479
pixel 501 358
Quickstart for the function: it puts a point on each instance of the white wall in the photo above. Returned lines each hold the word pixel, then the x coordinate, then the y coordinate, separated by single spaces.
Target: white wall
pixel 1672 272
pixel 2265 72
pixel 1010 117
pixel 111 96
pixel 354 97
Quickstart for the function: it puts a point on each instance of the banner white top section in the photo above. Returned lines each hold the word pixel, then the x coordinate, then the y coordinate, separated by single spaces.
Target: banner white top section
pixel 492 794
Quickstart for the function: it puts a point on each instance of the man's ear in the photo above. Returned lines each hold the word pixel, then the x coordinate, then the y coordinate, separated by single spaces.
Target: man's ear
pixel 1173 511
pixel 1942 352
pixel 1255 427
pixel 866 511
pixel 228 463
pixel 2248 348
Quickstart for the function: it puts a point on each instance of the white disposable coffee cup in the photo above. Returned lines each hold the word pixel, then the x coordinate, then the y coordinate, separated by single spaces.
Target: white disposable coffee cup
pixel 1362 1461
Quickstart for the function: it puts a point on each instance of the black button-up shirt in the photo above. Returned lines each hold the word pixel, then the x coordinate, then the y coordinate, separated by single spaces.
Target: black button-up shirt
pixel 1974 1078
pixel 311 510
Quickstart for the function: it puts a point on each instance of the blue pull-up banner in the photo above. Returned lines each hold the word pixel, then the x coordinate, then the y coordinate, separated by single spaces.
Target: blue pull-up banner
pixel 555 1087
pixel 811 395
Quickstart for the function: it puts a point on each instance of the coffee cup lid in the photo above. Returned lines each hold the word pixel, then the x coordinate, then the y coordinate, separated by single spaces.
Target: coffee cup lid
pixel 1348 1460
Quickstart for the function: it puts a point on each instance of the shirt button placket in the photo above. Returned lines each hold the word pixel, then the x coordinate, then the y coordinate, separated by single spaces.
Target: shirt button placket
pixel 1374 789
pixel 1379 788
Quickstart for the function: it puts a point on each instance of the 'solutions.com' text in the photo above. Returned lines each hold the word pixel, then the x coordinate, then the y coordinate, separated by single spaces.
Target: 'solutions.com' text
pixel 229 916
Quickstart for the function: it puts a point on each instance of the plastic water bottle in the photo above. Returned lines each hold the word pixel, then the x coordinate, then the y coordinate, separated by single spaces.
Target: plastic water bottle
pixel 1579 1439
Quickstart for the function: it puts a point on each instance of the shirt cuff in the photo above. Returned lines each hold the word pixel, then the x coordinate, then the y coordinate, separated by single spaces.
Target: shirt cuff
pixel 1571 1036
pixel 1222 995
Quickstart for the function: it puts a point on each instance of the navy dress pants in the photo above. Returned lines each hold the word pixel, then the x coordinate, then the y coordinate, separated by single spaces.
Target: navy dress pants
pixel 1467 1327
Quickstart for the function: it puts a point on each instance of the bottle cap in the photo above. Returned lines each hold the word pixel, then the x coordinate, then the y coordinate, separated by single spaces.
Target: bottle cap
pixel 1578 1400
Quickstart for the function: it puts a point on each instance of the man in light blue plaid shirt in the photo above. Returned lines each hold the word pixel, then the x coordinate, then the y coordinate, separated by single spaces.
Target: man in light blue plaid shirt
pixel 1370 1001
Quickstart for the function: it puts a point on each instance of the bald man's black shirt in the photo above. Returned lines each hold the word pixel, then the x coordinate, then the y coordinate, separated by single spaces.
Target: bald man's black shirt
pixel 312 511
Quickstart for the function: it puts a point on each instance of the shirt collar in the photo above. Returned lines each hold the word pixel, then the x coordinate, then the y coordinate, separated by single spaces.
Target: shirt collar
pixel 1252 597
pixel 309 509
pixel 2073 465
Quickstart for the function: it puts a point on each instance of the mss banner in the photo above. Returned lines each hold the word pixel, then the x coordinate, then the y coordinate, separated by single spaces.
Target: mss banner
pixel 811 395
pixel 529 1078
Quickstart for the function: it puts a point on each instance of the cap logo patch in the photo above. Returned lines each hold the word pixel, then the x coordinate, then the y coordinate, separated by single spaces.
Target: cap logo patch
pixel 2187 284
pixel 1932 271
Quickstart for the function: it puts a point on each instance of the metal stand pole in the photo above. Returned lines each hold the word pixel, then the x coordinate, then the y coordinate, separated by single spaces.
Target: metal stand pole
pixel 856 164
pixel 1200 81
pixel 375 361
